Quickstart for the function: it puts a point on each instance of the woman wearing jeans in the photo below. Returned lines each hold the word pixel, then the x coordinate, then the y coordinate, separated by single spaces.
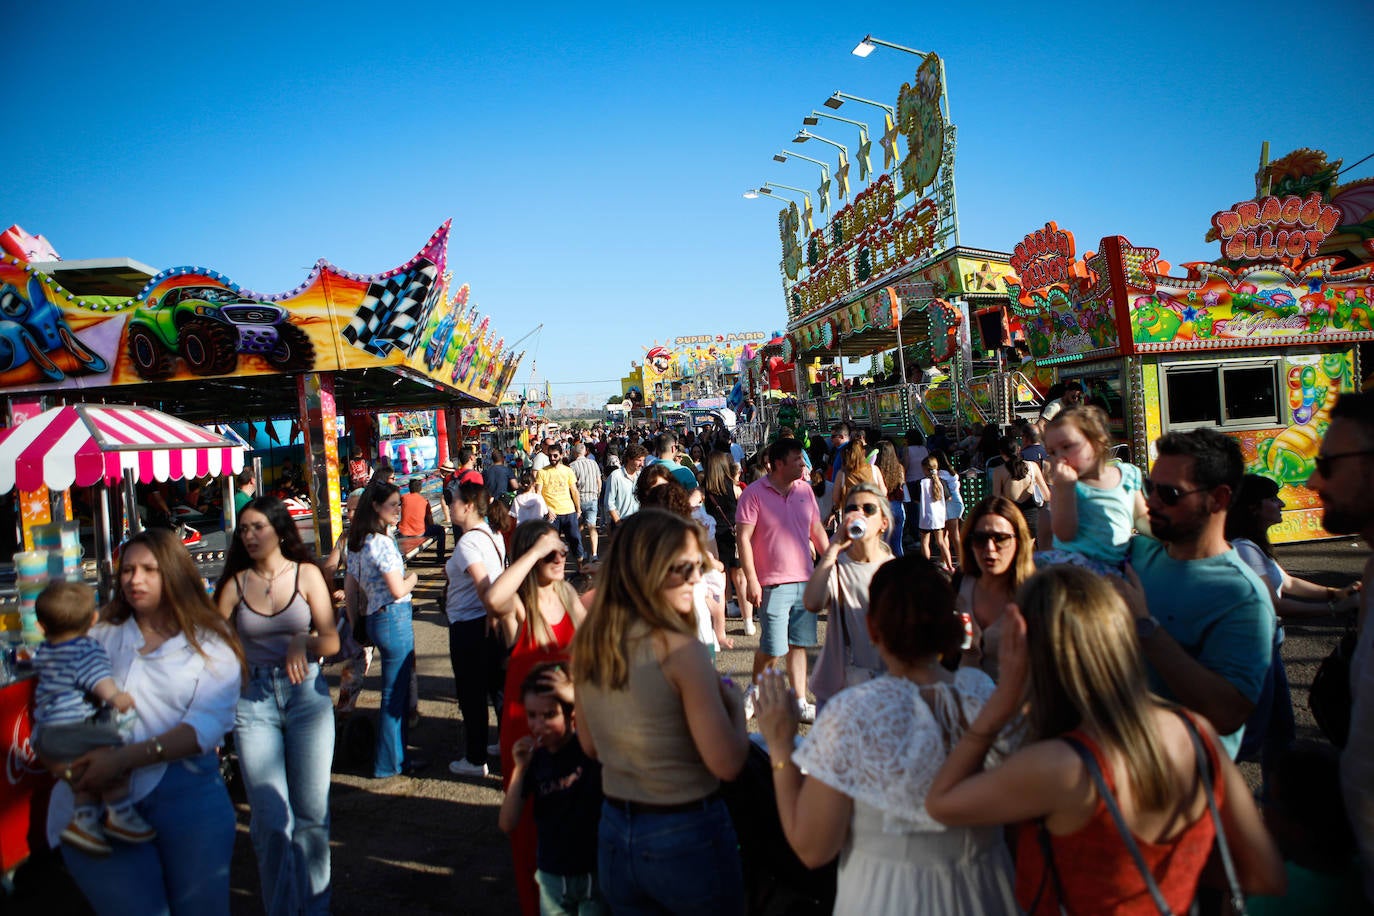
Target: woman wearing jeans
pixel 284 727
pixel 375 566
pixel 179 659
pixel 666 728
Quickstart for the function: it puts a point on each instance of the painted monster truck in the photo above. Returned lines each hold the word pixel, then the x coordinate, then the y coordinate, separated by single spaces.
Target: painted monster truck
pixel 208 327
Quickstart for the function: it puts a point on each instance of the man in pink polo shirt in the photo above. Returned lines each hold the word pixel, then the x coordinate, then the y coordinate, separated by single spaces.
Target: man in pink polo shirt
pixel 777 524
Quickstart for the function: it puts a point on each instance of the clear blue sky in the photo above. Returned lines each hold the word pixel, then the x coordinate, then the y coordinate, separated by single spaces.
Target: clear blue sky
pixel 593 157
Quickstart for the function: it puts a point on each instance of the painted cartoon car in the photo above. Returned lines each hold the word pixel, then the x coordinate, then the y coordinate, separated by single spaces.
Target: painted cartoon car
pixel 33 328
pixel 208 327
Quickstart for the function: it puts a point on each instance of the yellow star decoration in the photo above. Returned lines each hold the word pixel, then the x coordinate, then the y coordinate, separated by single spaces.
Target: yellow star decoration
pixel 808 221
pixel 865 159
pixel 983 278
pixel 889 143
pixel 1137 261
pixel 824 192
pixel 1097 263
pixel 842 176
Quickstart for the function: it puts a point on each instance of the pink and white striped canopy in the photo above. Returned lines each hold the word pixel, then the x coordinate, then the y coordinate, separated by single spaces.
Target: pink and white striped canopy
pixel 84 443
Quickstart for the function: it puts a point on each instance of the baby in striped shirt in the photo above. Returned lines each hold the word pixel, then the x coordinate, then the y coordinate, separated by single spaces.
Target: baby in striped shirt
pixel 73 713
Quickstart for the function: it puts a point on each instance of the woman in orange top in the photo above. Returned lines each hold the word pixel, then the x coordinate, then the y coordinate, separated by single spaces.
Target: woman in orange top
pixel 1076 644
pixel 533 593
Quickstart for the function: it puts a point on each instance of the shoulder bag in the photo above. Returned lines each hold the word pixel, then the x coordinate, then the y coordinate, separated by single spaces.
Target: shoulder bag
pixel 1330 698
pixel 1205 774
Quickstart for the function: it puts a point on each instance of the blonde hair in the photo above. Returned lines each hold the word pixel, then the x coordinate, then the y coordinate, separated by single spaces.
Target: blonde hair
pixel 631 589
pixel 1091 421
pixel 932 469
pixel 884 507
pixel 1087 672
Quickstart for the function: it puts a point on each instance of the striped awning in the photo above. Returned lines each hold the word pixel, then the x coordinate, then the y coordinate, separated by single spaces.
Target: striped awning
pixel 83 444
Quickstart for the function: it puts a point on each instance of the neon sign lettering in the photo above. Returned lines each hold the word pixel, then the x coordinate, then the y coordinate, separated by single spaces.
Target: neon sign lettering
pixel 1272 227
pixel 1043 257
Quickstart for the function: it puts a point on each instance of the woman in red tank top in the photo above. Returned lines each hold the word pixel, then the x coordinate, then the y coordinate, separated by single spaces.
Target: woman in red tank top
pixel 1076 646
pixel 533 594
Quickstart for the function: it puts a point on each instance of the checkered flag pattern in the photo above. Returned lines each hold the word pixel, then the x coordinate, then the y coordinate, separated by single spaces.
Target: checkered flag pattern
pixel 392 311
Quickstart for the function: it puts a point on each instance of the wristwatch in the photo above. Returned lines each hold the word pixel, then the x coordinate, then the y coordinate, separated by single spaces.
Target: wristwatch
pixel 1145 627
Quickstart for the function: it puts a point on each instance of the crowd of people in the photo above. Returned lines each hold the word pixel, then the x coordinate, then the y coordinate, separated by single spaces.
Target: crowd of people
pixel 1031 703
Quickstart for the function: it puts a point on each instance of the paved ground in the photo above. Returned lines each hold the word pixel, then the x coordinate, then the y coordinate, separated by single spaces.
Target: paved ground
pixel 431 845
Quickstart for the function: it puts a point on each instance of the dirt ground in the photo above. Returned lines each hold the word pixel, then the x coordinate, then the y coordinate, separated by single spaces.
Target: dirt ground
pixel 430 844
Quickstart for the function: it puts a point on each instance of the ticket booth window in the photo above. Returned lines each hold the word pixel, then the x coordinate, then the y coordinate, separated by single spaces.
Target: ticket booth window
pixel 1240 394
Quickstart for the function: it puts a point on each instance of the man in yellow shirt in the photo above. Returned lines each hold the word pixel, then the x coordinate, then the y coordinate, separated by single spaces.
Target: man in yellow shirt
pixel 558 485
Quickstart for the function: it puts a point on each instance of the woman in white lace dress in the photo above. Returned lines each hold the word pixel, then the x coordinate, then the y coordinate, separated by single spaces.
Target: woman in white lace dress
pixel 870 758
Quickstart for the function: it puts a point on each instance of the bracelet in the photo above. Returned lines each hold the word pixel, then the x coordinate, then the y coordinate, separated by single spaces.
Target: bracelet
pixel 781 764
pixel 158 752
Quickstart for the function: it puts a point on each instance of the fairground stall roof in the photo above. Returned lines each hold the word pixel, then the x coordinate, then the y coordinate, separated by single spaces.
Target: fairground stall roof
pixel 199 345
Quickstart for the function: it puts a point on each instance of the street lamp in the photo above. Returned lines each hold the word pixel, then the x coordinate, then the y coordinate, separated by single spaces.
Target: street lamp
pixel 865 47
pixel 865 144
pixel 889 138
pixel 842 172
pixel 769 189
pixel 824 190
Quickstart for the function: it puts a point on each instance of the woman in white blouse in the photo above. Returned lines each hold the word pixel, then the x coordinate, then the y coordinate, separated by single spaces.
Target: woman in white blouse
pixel 182 663
pixel 870 758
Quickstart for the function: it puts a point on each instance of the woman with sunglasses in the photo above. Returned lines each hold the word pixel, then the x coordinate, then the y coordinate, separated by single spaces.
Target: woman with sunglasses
pixel 534 594
pixel 839 585
pixel 1076 655
pixel 666 728
pixel 377 570
pixel 998 556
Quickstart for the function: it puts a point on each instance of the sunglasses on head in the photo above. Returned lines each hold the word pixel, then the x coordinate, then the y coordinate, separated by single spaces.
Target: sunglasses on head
pixel 982 538
pixel 685 569
pixel 866 508
pixel 1167 493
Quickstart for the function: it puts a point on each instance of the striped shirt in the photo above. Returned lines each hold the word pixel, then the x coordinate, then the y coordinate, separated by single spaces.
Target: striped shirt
pixel 67 673
pixel 588 475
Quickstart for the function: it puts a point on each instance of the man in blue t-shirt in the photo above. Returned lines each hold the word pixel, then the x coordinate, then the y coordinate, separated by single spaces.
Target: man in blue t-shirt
pixel 1207 627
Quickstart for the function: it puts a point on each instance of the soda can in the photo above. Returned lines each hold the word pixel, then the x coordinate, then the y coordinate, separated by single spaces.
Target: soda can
pixel 968 632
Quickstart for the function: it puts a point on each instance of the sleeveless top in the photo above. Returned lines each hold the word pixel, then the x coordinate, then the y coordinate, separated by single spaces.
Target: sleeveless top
pixel 266 637
pixel 1110 882
pixel 646 750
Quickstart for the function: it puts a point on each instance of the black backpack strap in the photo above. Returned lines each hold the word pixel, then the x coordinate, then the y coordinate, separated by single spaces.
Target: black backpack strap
pixel 1204 768
pixel 1121 827
pixel 1051 876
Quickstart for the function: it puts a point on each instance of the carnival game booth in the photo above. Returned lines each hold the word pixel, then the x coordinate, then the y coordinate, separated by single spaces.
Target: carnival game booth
pixel 325 356
pixel 1258 344
pixel 110 448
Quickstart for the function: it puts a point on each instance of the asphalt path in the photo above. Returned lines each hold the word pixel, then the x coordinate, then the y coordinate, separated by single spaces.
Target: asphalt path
pixel 430 844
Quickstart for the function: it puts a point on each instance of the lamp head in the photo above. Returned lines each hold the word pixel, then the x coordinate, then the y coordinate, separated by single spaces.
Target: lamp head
pixel 750 195
pixel 811 120
pixel 864 48
pixel 834 102
pixel 779 157
pixel 801 137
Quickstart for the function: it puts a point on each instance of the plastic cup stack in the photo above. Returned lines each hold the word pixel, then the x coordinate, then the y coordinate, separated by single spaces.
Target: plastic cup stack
pixel 31 569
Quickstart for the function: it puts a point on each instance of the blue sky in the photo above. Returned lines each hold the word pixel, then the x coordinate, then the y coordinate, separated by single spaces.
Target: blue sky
pixel 593 157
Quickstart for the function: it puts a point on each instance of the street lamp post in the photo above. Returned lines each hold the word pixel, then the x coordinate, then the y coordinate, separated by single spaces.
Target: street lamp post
pixel 865 161
pixel 841 173
pixel 824 190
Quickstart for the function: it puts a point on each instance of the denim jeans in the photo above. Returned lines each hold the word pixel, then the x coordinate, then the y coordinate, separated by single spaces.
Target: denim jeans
pixel 284 734
pixel 185 871
pixel 684 863
pixel 394 636
pixel 569 895
pixel 894 537
pixel 571 531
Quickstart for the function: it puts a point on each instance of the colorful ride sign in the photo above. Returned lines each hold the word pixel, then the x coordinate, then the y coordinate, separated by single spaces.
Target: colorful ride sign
pixel 191 322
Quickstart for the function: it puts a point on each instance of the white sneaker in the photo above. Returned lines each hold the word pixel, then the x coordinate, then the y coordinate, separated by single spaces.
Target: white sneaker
pixel 461 767
pixel 749 628
pixel 129 827
pixel 807 711
pixel 749 696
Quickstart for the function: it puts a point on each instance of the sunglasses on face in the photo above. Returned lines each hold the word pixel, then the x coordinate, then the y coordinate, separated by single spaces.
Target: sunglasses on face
pixel 685 569
pixel 1168 494
pixel 556 557
pixel 983 538
pixel 869 509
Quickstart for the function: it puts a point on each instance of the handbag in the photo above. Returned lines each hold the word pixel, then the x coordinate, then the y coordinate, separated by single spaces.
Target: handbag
pixel 853 674
pixel 1330 699
pixel 1205 774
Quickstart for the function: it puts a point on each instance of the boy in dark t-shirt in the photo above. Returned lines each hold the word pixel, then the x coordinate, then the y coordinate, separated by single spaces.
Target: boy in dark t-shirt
pixel 552 768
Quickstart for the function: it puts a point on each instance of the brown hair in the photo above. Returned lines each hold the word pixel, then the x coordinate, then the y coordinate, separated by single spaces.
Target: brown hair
pixel 911 609
pixel 1023 567
pixel 64 608
pixel 1091 421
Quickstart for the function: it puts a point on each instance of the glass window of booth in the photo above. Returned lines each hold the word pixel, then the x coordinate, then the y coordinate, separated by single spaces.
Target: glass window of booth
pixel 1230 394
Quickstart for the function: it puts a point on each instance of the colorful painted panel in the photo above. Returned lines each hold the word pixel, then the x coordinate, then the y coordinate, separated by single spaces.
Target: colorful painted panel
pixel 1063 305
pixel 191 322
pixel 685 358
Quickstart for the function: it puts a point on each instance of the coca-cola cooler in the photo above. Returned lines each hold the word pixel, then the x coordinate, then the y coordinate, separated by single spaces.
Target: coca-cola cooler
pixel 26 786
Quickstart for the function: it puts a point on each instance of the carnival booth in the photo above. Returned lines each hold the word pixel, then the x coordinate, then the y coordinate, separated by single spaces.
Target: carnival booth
pixel 112 448
pixel 1259 343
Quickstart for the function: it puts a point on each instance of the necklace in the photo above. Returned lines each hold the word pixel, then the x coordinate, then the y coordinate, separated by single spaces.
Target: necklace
pixel 268 580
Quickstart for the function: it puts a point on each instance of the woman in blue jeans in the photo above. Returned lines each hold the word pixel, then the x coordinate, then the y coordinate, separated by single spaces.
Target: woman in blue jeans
pixel 274 595
pixel 182 663
pixel 377 574
pixel 666 728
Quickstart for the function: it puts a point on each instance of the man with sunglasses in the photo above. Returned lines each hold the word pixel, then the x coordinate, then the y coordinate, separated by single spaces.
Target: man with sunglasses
pixel 1207 624
pixel 777 525
pixel 1345 482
